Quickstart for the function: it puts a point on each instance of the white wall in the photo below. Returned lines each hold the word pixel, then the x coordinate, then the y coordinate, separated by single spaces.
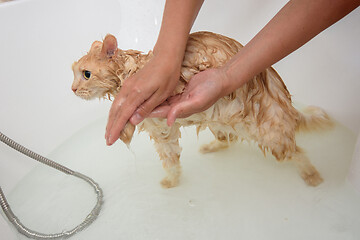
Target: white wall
pixel 40 39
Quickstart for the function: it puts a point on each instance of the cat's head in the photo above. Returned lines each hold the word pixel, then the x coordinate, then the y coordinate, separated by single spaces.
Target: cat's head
pixel 96 73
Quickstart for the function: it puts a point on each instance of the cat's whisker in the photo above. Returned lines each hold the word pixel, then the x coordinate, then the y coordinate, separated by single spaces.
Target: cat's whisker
pixel 84 94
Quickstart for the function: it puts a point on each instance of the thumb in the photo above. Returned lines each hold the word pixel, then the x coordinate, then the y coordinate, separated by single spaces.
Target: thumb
pixel 179 110
pixel 160 112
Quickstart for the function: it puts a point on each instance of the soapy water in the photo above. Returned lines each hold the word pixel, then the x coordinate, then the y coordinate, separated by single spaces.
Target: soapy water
pixel 236 193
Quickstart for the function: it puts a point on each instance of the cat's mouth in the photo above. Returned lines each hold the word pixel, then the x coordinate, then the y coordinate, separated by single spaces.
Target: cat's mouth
pixel 87 94
pixel 84 94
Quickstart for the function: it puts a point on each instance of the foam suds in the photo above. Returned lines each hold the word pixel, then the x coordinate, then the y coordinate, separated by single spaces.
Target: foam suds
pixel 236 193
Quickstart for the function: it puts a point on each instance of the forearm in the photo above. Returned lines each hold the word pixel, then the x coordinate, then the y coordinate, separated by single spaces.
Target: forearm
pixel 178 18
pixel 295 24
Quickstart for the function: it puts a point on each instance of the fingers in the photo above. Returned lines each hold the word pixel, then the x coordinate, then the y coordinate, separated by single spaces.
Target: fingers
pixel 147 107
pixel 121 110
pixel 124 106
pixel 160 112
pixel 117 120
pixel 180 110
pixel 112 113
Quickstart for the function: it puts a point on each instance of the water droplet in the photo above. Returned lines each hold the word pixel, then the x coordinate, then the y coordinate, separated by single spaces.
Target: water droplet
pixel 192 203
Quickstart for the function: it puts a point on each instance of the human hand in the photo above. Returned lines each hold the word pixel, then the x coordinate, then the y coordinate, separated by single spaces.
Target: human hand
pixel 202 91
pixel 142 92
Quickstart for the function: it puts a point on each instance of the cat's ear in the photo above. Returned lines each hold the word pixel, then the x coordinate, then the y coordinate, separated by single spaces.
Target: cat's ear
pixel 96 44
pixel 109 46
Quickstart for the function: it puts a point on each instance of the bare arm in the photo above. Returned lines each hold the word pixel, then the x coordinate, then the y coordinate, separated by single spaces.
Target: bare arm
pixel 178 18
pixel 155 82
pixel 293 26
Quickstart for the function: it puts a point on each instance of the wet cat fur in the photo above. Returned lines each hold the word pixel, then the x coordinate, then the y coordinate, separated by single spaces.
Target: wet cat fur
pixel 261 110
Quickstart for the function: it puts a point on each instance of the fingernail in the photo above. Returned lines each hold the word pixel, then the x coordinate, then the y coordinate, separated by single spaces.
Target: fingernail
pixel 108 142
pixel 106 132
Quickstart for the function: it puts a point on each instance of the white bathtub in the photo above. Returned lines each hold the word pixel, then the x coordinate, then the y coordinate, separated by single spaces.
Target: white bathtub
pixel 40 39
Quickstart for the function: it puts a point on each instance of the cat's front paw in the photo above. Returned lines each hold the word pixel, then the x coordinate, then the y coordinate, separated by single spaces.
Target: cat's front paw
pixel 172 177
pixel 169 183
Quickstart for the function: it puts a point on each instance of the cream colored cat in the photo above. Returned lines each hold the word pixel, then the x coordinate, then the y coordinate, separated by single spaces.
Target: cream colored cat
pixel 260 111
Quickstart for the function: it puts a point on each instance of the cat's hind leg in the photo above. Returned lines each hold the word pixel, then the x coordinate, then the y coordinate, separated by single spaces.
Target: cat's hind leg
pixel 283 147
pixel 224 135
pixel 213 146
pixel 307 171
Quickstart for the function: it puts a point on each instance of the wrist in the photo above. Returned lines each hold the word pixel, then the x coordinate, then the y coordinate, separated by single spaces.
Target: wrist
pixel 239 70
pixel 227 85
pixel 174 54
pixel 170 59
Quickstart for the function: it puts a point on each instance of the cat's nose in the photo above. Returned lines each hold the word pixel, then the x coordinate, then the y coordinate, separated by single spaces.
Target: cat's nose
pixel 74 89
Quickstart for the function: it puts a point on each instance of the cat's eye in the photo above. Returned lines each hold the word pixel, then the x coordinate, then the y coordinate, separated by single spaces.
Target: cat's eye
pixel 86 74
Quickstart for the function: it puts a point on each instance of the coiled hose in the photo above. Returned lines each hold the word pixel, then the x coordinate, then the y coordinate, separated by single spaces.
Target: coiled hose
pixel 36 235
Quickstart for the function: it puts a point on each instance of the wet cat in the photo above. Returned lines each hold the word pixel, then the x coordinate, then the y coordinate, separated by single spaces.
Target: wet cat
pixel 260 111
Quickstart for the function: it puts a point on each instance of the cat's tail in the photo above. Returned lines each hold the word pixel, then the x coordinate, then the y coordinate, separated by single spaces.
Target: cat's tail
pixel 314 118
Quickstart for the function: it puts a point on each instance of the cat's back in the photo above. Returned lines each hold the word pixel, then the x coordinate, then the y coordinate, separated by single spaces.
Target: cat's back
pixel 213 41
pixel 207 50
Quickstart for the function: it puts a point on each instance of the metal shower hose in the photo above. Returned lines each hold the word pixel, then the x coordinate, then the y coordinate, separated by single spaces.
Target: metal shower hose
pixel 36 235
